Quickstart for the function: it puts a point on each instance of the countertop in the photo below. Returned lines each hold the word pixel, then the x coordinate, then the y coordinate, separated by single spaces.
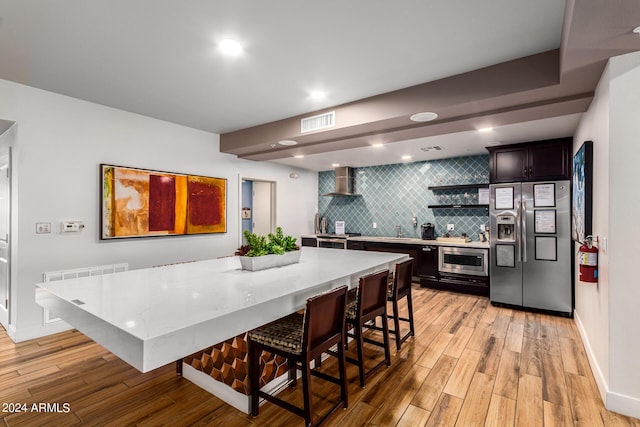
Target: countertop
pixel 412 241
pixel 153 316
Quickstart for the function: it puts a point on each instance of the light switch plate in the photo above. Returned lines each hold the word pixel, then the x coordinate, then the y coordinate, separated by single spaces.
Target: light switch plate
pixel 43 228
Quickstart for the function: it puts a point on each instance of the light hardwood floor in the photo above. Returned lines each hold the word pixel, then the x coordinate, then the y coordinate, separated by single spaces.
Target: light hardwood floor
pixel 470 364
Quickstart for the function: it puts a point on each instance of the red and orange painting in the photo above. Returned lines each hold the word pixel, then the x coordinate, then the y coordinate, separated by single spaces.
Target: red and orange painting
pixel 142 203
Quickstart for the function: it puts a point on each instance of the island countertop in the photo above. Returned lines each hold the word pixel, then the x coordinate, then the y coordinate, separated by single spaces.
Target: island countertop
pixel 154 316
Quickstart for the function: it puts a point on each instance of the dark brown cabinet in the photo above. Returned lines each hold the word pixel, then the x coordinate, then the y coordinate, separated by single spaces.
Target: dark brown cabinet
pixel 355 245
pixel 309 241
pixel 411 250
pixel 532 161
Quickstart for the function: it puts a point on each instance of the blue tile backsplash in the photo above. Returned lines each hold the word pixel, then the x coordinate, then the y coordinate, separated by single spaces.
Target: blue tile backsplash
pixel 392 195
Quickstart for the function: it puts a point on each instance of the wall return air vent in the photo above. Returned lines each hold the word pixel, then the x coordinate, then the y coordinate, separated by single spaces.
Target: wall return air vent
pixel 322 121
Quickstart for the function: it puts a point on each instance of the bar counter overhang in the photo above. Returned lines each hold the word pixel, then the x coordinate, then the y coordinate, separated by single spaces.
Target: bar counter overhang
pixel 155 316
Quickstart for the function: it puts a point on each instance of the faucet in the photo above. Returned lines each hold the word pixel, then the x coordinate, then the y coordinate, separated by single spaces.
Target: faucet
pixel 398 231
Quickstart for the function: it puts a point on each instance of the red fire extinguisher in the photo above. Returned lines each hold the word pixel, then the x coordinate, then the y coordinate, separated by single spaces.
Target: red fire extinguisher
pixel 588 259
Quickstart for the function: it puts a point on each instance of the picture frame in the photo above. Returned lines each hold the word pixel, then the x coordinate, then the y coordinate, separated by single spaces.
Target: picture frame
pixel 138 203
pixel 582 194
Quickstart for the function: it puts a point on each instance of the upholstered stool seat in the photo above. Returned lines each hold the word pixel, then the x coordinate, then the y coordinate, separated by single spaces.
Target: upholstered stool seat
pixel 284 334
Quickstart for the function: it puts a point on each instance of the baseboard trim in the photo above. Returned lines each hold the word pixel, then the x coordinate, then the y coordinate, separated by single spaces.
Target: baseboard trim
pixel 616 402
pixel 601 382
pixel 26 334
pixel 625 405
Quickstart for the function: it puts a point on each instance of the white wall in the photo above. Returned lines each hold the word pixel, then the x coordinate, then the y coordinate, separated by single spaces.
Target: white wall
pixel 59 144
pixel 592 300
pixel 607 313
pixel 624 227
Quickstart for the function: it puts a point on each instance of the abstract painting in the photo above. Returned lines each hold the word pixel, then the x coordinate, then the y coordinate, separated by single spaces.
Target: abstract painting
pixel 144 203
pixel 581 209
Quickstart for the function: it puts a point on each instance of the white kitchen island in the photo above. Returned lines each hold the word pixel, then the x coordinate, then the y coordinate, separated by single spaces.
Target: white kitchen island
pixel 155 316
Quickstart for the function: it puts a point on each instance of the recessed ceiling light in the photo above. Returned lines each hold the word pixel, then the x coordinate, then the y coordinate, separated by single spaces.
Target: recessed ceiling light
pixel 377 145
pixel 636 30
pixel 406 157
pixel 288 142
pixel 426 116
pixel 299 156
pixel 335 165
pixel 230 47
pixel 487 129
pixel 317 94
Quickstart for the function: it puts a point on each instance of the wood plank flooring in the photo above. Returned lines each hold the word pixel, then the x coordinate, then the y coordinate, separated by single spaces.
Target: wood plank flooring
pixel 470 364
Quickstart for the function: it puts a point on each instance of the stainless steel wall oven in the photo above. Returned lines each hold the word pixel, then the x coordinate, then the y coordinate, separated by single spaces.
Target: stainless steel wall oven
pixel 466 261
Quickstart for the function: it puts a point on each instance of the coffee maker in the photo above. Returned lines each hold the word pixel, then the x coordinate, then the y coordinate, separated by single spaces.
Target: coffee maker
pixel 428 231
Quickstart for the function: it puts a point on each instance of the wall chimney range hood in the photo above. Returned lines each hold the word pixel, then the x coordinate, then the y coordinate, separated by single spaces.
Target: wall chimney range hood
pixel 343 182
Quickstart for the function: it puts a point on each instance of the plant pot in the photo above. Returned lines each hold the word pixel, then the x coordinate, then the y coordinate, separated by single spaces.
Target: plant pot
pixel 256 263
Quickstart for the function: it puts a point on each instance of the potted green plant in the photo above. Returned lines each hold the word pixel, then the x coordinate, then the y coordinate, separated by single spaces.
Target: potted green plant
pixel 273 250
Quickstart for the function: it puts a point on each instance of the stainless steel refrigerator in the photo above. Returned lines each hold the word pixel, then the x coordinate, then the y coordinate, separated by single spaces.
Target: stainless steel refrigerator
pixel 530 236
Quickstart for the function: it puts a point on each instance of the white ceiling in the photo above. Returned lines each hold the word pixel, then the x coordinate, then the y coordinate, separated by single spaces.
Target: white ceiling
pixel 160 59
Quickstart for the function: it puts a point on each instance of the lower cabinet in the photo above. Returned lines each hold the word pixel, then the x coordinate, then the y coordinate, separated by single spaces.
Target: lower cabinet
pixel 355 245
pixel 425 267
pixel 411 250
pixel 309 241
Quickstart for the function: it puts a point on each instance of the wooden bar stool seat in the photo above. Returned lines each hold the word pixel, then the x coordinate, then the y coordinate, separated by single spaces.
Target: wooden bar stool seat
pixel 370 303
pixel 401 288
pixel 302 339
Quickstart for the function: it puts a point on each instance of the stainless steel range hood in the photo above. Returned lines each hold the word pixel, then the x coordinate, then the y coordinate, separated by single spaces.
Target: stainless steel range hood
pixel 343 183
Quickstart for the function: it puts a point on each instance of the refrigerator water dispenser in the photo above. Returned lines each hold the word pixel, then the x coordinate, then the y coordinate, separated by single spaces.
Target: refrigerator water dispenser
pixel 506 228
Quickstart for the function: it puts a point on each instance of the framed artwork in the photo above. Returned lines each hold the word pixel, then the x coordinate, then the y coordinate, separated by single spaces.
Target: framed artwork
pixel 581 209
pixel 145 203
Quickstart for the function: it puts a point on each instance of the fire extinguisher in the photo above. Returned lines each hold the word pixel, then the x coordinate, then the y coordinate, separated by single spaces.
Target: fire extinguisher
pixel 588 256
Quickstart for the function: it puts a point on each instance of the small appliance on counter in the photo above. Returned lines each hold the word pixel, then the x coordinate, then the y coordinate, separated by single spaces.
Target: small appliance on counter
pixel 428 231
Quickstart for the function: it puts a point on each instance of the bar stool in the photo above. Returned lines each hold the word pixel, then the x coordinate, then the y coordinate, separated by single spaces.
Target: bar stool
pixel 301 339
pixel 371 303
pixel 401 288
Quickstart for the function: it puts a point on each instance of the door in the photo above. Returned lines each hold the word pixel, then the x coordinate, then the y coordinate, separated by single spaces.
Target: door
pixel 262 208
pixel 506 246
pixel 5 209
pixel 547 278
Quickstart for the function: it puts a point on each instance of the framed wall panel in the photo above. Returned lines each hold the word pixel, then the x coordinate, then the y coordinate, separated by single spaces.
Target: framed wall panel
pixel 581 208
pixel 145 203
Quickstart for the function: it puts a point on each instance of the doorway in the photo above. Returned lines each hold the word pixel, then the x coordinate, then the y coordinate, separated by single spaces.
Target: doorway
pixel 5 216
pixel 258 207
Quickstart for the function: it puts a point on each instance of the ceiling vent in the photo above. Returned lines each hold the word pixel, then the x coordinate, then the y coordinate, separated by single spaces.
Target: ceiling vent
pixel 434 148
pixel 319 122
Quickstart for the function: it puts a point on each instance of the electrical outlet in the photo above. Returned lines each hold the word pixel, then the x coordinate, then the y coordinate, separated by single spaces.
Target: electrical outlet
pixel 43 227
pixel 375 225
pixel 450 227
pixel 71 226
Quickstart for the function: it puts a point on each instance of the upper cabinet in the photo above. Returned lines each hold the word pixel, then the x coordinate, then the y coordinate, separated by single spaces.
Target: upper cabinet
pixel 531 161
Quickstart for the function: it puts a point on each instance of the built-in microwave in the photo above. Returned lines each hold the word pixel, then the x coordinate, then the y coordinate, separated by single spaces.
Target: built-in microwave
pixel 469 261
